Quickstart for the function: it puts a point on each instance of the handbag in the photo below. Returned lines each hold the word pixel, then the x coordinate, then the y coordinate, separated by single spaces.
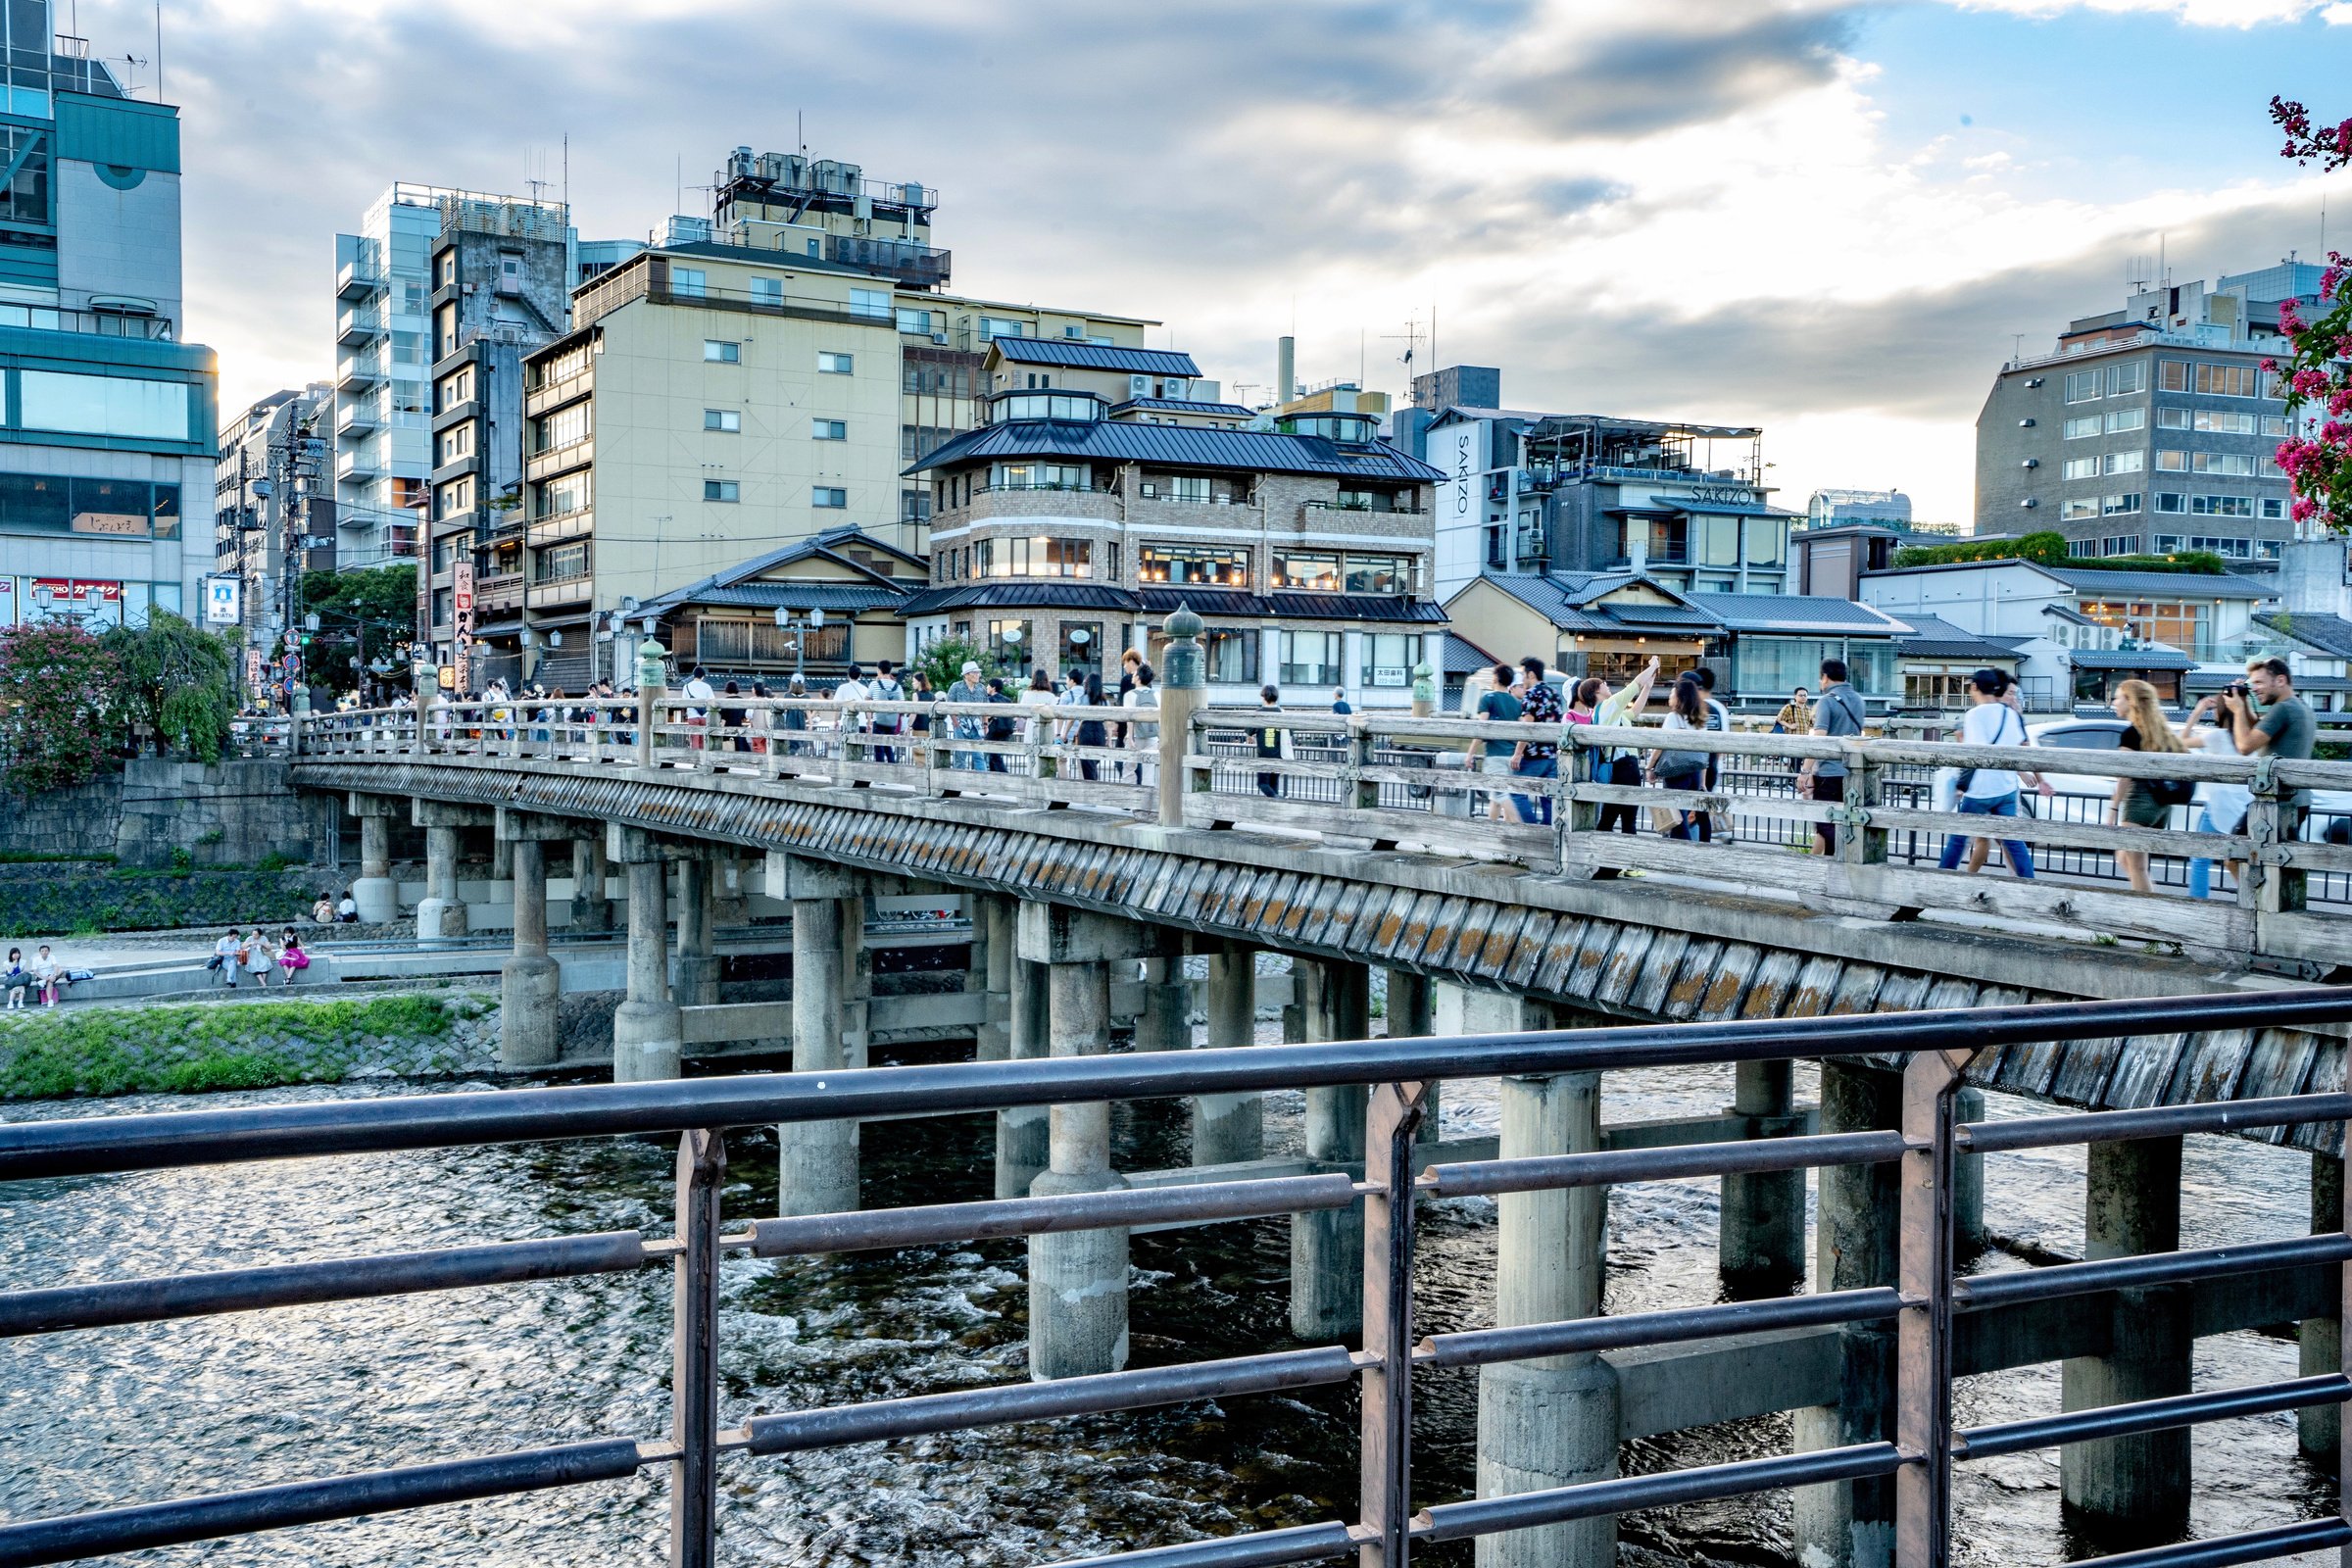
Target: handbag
pixel 2171 792
pixel 1964 780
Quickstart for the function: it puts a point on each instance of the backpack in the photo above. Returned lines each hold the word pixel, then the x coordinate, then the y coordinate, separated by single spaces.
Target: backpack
pixel 882 691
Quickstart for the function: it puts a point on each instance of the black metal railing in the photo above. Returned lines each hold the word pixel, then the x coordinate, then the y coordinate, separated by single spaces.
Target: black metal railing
pixel 1923 1301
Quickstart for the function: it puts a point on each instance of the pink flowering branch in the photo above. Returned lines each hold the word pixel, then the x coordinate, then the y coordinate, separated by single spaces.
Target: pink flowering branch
pixel 2316 380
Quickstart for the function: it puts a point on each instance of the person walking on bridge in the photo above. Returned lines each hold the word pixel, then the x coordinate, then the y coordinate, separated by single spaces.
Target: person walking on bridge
pixel 1272 743
pixel 2144 802
pixel 1991 791
pixel 1540 705
pixel 1682 769
pixel 1840 712
pixel 1611 709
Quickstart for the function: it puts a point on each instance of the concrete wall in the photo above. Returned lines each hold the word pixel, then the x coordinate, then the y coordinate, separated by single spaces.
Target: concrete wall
pixel 63 823
pixel 251 805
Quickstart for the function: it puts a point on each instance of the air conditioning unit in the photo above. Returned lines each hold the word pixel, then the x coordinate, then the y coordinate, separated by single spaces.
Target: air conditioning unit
pixel 2025 424
pixel 2028 502
pixel 2033 380
pixel 2031 463
pixel 939 339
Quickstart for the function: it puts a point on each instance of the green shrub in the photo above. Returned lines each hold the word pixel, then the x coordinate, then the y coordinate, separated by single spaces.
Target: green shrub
pixel 2053 548
pixel 183 861
pixel 195 1046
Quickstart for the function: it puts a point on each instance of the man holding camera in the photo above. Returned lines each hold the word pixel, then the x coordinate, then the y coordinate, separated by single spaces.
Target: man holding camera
pixel 2285 727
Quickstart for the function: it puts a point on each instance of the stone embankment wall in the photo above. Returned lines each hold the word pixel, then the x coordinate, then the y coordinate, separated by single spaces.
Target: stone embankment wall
pixel 61 898
pixel 71 1051
pixel 230 813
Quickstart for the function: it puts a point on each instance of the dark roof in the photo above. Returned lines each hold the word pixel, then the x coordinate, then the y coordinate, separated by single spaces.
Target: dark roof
pixel 1797 613
pixel 1183 446
pixel 1933 637
pixel 831 546
pixel 1570 602
pixel 1024 595
pixel 2164 584
pixel 1355 607
pixel 2329 634
pixel 2130 659
pixel 1205 601
pixel 790 595
pixel 1181 406
pixel 1095 356
pixel 1723 508
pixel 1464 657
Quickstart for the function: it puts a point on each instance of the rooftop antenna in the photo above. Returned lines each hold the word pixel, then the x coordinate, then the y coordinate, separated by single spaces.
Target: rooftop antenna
pixel 2016 346
pixel 1411 338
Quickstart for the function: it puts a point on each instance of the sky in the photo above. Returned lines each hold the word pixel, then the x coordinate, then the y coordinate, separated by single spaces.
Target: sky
pixel 1829 218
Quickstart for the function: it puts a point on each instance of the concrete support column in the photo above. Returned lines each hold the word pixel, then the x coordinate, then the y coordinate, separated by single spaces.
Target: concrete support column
pixel 374 891
pixel 2125 1492
pixel 1761 1237
pixel 591 905
pixel 1021 1130
pixel 1851 1524
pixel 1327 1248
pixel 1167 1021
pixel 698 961
pixel 2322 1349
pixel 991 973
pixel 441 915
pixel 502 861
pixel 1078 1280
pixel 1551 1422
pixel 730 898
pixel 817 1161
pixel 648 1032
pixel 1230 1128
pixel 1413 1011
pixel 530 981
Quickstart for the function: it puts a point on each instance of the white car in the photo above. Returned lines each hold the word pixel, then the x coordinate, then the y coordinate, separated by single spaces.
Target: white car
pixel 2083 797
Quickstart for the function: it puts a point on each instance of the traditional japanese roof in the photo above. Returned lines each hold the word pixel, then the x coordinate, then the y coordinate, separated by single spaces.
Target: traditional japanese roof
pixel 1933 637
pixel 2328 634
pixel 1178 446
pixel 1572 602
pixel 1798 613
pixel 2130 659
pixel 1094 356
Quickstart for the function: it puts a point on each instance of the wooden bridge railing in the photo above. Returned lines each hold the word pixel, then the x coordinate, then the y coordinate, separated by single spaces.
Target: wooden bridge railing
pixel 1395 781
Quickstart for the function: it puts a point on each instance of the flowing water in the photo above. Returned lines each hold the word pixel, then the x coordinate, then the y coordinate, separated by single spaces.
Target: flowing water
pixel 123 1415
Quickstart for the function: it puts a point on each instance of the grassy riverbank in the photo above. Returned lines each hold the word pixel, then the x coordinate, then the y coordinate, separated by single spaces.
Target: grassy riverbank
pixel 71 1052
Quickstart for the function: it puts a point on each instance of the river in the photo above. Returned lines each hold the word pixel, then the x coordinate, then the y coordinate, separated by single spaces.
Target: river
pixel 132 1414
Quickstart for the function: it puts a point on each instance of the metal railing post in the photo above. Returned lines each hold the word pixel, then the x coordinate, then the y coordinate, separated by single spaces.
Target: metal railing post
pixel 1386 1457
pixel 694 1373
pixel 1923 1359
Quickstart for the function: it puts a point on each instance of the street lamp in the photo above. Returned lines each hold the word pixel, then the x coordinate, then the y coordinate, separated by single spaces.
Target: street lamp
pixel 814 622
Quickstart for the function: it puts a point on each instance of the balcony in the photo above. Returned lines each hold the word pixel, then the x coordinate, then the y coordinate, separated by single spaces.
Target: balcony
pixel 357 373
pixel 96 323
pixel 357 281
pixel 358 328
pixel 561 592
pixel 918 266
pixel 498 596
pixel 995 502
pixel 355 419
pixel 356 465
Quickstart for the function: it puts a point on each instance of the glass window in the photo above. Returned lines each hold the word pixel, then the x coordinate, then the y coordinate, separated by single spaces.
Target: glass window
pixel 561 562
pixel 1312 657
pixel 2077 430
pixel 1042 476
pixel 767 291
pixel 831 498
pixel 1025 556
pixel 2229 380
pixel 722 490
pixel 2171 461
pixel 727 421
pixel 2078 508
pixel 1082 648
pixel 565 427
pixel 2081 467
pixel 2117 506
pixel 557 496
pixel 835 364
pixel 2170 500
pixel 1231 656
pixel 1378 574
pixel 2171 376
pixel 828 430
pixel 1203 565
pixel 2172 418
pixel 689 281
pixel 104 405
pixel 2222 506
pixel 2122 420
pixel 2274 424
pixel 995 326
pixel 2274 507
pixel 1387 658
pixel 913 320
pixel 2086 386
pixel 2220 423
pixel 717 352
pixel 2233 462
pixel 1054 406
pixel 1011 643
pixel 1310 570
pixel 2123 463
pixel 2125 380
pixel 874 303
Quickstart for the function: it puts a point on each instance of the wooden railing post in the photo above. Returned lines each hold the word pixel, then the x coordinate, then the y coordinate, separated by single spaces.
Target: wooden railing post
pixel 1922 1361
pixel 1864 841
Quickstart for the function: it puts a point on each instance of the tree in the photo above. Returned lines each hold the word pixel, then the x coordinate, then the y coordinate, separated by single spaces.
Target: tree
pixel 2318 377
pixel 369 616
pixel 944 660
pixel 60 692
pixel 177 680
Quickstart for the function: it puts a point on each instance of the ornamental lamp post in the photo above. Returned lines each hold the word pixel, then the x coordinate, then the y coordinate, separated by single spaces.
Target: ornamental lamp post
pixel 1183 682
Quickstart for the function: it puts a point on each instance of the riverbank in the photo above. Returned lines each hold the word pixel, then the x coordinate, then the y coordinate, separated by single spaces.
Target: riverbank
pixel 189 1047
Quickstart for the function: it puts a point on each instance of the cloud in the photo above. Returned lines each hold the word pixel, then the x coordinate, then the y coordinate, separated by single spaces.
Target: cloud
pixel 2194 13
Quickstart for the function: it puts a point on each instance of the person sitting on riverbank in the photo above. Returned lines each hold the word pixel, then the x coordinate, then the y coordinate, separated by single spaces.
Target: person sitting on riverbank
pixel 48 976
pixel 322 912
pixel 17 980
pixel 347 909
pixel 260 958
pixel 229 957
pixel 290 957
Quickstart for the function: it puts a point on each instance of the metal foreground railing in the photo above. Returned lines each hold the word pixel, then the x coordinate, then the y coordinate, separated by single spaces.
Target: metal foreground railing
pixel 1923 1301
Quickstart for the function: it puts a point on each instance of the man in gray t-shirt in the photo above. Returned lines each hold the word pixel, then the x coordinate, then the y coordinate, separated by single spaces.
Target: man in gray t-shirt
pixel 1838 713
pixel 2285 729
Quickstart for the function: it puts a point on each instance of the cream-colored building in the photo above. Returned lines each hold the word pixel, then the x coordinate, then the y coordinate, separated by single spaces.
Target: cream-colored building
pixel 716 401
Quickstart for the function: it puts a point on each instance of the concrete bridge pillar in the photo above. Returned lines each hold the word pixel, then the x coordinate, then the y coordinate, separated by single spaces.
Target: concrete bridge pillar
pixel 1230 1128
pixel 502 861
pixel 2125 1492
pixel 375 894
pixel 1327 1247
pixel 1851 1524
pixel 1167 1021
pixel 697 970
pixel 647 1031
pixel 591 904
pixel 1023 1131
pixel 730 898
pixel 530 981
pixel 1078 1280
pixel 441 915
pixel 991 974
pixel 817 1161
pixel 1413 1011
pixel 1553 1421
pixel 2322 1349
pixel 1760 1247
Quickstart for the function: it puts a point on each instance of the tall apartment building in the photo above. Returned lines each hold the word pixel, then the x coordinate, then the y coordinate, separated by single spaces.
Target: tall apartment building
pixel 2149 428
pixel 748 381
pixel 1830 508
pixel 108 427
pixel 270 495
pixel 500 289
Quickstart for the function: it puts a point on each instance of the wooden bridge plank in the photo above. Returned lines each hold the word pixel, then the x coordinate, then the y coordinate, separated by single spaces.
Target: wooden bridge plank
pixel 1815 984
pixel 1532 947
pixel 1768 989
pixel 1727 989
pixel 2210 1067
pixel 2143 1071
pixel 1655 975
pixel 1500 940
pixel 2081 1078
pixel 1686 987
